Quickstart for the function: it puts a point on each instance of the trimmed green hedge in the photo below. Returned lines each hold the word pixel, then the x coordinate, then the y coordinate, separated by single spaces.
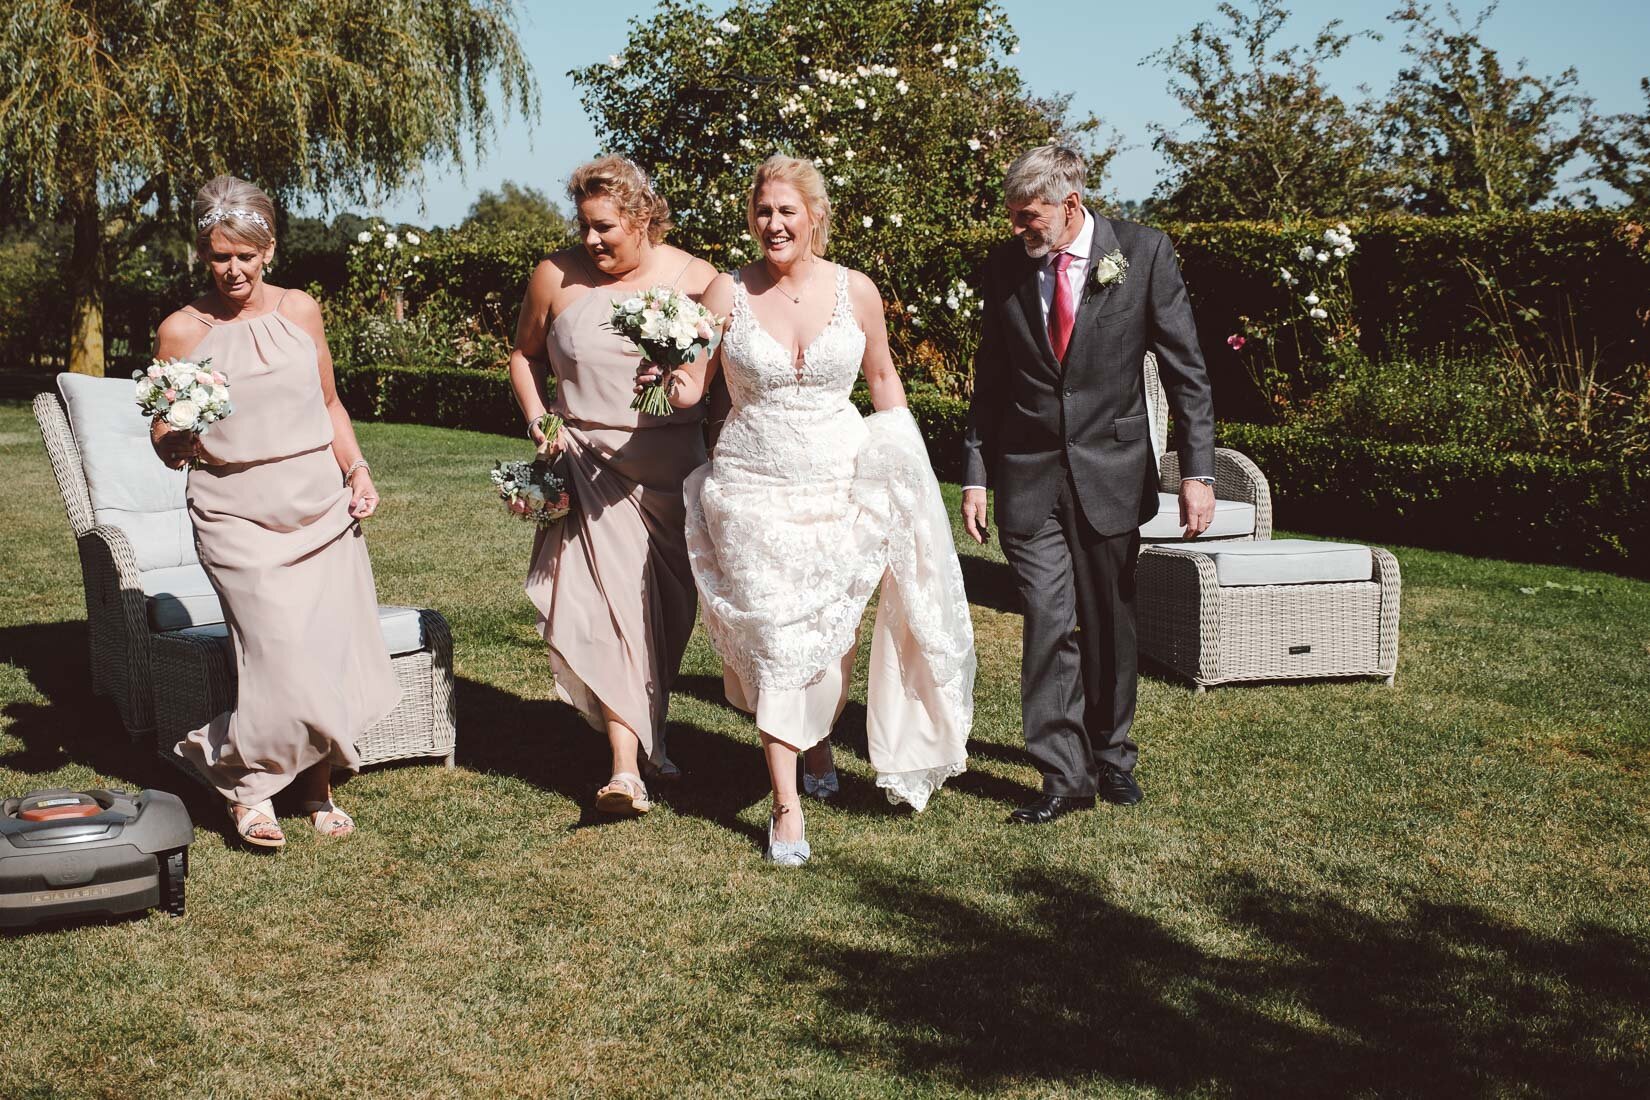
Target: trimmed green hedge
pixel 1413 292
pixel 1496 505
pixel 478 400
pixel 481 401
pixel 1516 506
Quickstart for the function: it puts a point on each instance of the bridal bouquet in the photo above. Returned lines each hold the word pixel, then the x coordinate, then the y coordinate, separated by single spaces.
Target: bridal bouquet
pixel 189 396
pixel 670 329
pixel 532 490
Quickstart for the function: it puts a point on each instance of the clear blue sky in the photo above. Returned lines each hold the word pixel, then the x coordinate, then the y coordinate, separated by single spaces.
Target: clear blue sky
pixel 1605 40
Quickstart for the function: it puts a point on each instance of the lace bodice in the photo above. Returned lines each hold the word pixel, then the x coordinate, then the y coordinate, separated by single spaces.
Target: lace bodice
pixel 762 373
pixel 791 421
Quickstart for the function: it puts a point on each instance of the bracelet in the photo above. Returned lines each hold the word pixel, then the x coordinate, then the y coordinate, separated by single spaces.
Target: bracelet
pixel 358 464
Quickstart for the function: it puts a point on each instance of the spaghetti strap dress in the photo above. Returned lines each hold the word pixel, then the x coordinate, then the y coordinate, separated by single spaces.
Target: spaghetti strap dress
pixel 611 582
pixel 289 563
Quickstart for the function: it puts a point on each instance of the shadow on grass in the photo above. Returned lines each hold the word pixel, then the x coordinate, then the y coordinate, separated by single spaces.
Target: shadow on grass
pixel 73 726
pixel 76 727
pixel 990 583
pixel 1323 999
pixel 550 745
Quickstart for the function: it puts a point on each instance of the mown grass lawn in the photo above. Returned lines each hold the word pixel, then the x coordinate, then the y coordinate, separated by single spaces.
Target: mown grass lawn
pixel 1332 889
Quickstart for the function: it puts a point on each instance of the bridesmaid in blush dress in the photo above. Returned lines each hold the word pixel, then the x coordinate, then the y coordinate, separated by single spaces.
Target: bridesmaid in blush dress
pixel 611 582
pixel 276 503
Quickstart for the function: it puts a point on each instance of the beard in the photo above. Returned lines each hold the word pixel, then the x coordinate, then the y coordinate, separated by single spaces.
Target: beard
pixel 1039 245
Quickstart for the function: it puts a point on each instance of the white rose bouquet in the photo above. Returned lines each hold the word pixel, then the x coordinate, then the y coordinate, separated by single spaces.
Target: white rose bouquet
pixel 670 329
pixel 189 396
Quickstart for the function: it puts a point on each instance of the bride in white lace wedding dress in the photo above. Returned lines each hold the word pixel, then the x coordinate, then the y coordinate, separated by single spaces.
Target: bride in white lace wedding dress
pixel 806 507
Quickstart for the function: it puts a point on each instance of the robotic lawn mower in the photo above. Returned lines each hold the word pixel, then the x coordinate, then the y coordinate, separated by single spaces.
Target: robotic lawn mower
pixel 67 853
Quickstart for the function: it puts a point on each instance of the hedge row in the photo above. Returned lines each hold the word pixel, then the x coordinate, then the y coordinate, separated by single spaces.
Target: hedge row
pixel 481 401
pixel 1584 277
pixel 1495 505
pixel 1516 506
pixel 477 400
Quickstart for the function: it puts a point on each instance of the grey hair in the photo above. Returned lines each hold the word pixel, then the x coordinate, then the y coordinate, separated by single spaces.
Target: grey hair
pixel 1048 172
pixel 239 208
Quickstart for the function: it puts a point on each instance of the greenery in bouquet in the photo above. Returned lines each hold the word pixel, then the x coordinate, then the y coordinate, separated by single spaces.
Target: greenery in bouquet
pixel 532 490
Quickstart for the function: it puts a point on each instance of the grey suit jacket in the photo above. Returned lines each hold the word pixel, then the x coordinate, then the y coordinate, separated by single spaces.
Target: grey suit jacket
pixel 1033 418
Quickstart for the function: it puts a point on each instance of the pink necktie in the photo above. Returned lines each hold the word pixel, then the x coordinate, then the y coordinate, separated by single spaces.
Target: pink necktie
pixel 1061 315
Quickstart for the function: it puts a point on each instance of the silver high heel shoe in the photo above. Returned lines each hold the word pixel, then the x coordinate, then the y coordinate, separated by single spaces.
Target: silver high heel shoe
pixel 787 853
pixel 823 787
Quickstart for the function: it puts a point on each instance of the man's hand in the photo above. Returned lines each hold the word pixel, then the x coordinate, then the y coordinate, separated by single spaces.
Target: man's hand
pixel 1197 506
pixel 977 521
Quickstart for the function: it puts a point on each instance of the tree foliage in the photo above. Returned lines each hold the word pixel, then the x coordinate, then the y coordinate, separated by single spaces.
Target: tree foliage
pixel 911 109
pixel 514 206
pixel 1269 139
pixel 112 109
pixel 1468 135
pixel 1621 152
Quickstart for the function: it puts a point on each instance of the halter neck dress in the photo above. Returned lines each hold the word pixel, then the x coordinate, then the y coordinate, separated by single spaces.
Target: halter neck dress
pixel 289 563
pixel 611 582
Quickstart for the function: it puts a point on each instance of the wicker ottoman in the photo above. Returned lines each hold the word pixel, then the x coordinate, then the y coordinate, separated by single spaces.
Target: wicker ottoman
pixel 194 679
pixel 1285 609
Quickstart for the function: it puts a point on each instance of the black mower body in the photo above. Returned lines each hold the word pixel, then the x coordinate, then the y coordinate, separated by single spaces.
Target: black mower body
pixel 126 852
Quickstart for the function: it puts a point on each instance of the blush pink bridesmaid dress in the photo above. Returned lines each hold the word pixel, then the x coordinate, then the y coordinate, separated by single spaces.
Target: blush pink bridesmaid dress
pixel 274 534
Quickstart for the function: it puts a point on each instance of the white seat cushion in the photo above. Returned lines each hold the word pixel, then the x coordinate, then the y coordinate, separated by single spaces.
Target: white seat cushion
pixel 129 485
pixel 402 627
pixel 1233 519
pixel 1286 561
pixel 180 597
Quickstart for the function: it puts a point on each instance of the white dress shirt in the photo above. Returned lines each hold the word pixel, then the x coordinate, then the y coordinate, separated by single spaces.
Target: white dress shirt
pixel 1079 250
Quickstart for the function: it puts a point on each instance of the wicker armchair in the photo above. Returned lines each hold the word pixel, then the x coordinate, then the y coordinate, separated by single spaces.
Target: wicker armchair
pixel 1237 478
pixel 165 636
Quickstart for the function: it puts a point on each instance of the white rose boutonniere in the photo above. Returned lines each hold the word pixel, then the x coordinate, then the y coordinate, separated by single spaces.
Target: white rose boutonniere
pixel 1110 270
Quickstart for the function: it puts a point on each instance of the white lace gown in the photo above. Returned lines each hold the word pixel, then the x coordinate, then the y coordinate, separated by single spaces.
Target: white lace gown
pixel 804 510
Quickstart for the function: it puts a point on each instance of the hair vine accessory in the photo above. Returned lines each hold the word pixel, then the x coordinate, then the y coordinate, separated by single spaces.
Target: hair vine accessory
pixel 218 214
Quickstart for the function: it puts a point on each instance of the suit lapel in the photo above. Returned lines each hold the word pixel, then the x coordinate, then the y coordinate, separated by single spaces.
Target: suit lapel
pixel 1031 301
pixel 1102 243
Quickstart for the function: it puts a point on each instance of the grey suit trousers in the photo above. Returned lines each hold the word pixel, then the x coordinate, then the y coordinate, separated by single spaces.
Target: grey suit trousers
pixel 1078 669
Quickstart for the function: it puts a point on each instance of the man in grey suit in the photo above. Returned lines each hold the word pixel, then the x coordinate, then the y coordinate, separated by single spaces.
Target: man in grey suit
pixel 1058 430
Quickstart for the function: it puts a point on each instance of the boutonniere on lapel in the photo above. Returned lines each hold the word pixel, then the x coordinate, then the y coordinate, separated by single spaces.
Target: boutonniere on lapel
pixel 1109 270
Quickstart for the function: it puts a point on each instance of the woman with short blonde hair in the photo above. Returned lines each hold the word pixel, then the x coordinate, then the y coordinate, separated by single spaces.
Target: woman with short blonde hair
pixel 276 501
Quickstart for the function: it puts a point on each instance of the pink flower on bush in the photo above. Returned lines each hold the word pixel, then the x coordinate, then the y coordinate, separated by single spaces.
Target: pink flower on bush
pixel 1236 342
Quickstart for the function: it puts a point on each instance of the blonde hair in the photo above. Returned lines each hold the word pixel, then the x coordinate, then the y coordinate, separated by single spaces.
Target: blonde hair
pixel 802 175
pixel 621 180
pixel 239 208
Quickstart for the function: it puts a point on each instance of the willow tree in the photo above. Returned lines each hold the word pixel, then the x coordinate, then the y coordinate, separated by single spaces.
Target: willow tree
pixel 111 109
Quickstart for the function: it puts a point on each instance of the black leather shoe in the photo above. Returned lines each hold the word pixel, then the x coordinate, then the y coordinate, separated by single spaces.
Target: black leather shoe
pixel 1049 807
pixel 1118 786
